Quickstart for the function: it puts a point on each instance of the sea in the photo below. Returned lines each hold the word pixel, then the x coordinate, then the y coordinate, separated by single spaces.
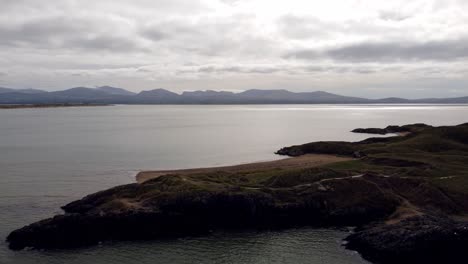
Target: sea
pixel 52 156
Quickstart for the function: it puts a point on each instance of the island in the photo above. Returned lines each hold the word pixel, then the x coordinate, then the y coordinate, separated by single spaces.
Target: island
pixel 406 195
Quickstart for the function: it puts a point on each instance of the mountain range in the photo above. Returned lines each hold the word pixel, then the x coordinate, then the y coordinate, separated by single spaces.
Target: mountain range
pixel 113 95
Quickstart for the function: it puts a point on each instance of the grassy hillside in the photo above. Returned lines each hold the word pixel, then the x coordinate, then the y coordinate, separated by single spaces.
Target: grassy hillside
pixel 436 154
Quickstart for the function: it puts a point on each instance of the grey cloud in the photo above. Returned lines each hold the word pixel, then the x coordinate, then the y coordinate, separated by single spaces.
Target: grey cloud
pixel 2 74
pixel 399 51
pixel 9 5
pixel 65 33
pixel 143 70
pixel 365 71
pixel 304 54
pixel 264 70
pixel 309 27
pixel 154 34
pixel 372 70
pixel 211 69
pixel 80 74
pixel 170 29
pixel 103 42
pixel 241 69
pixel 390 52
pixel 238 69
pixel 340 69
pixel 39 31
pixel 290 69
pixel 209 37
pixel 296 27
pixel 98 66
pixel 393 16
pixel 314 68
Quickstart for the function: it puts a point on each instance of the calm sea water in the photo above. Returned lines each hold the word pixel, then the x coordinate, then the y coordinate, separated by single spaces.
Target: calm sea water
pixel 49 157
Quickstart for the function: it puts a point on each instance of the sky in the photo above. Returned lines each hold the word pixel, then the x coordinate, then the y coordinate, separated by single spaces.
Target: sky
pixel 373 48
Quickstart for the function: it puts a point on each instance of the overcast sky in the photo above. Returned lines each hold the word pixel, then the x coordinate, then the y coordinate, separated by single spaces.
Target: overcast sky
pixel 373 48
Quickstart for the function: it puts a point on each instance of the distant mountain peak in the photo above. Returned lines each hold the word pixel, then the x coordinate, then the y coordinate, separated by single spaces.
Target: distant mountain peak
pixel 31 91
pixel 82 88
pixel 115 90
pixel 265 92
pixel 158 92
pixel 323 92
pixel 80 93
pixel 206 93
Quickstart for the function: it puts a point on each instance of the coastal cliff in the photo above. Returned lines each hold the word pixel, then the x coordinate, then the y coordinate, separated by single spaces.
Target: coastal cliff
pixel 407 196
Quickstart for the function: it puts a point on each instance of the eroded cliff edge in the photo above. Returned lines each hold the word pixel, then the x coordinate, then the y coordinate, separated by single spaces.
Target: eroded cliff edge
pixel 407 195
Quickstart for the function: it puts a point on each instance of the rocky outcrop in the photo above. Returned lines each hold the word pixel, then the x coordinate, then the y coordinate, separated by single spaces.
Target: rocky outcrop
pixel 149 210
pixel 170 207
pixel 390 129
pixel 328 147
pixel 419 239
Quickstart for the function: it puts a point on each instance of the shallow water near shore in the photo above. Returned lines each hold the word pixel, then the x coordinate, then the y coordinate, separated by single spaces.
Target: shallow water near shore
pixel 49 157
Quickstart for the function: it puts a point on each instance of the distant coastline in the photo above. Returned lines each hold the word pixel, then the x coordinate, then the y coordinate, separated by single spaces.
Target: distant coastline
pixel 22 106
pixel 113 95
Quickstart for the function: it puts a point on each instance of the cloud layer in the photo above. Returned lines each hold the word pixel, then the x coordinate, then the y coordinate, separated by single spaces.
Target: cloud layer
pixel 367 48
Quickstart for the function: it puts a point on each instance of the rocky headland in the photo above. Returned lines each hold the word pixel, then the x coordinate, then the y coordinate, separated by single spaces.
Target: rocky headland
pixel 407 196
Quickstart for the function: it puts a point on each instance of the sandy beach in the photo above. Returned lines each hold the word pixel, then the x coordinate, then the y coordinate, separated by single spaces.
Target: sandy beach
pixel 305 161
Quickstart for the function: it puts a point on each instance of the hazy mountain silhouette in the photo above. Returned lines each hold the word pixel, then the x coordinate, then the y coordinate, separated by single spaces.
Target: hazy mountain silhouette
pixel 26 91
pixel 114 90
pixel 113 95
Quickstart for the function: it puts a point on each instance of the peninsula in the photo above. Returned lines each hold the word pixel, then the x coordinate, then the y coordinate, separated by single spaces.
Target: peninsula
pixel 407 196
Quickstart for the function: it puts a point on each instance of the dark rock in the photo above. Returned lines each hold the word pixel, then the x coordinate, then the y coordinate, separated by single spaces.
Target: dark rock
pixel 379 131
pixel 391 129
pixel 103 216
pixel 419 239
pixel 322 147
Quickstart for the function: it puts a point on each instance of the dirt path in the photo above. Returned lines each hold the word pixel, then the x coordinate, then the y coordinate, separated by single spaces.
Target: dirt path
pixel 305 161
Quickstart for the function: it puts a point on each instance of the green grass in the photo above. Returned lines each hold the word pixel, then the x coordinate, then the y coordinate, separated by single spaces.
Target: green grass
pixel 428 152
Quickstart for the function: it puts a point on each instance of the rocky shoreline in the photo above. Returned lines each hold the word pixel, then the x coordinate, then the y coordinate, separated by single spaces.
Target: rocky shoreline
pixel 408 197
pixel 419 239
pixel 112 214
